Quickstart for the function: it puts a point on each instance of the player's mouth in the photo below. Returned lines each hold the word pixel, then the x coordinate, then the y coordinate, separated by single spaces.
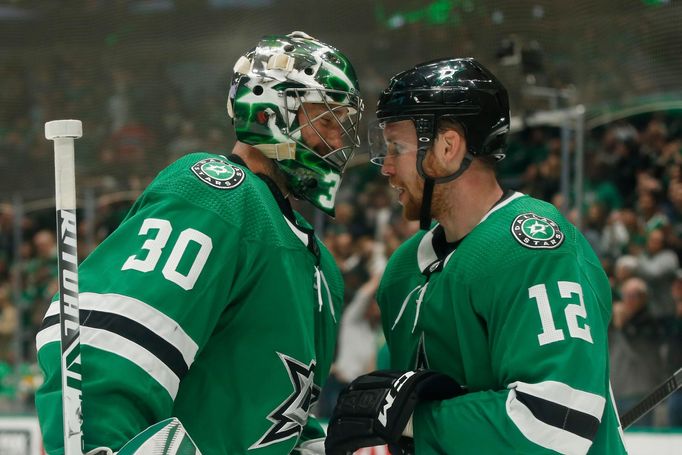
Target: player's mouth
pixel 400 191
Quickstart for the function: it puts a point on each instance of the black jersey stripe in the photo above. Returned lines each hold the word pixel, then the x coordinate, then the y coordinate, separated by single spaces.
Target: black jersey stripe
pixel 560 416
pixel 133 331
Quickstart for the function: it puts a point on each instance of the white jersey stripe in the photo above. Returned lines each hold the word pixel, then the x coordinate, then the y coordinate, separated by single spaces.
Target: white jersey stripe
pixel 138 311
pixel 116 344
pixel 497 207
pixel 48 335
pixel 425 253
pixel 542 434
pixel 302 236
pixel 546 435
pixel 565 395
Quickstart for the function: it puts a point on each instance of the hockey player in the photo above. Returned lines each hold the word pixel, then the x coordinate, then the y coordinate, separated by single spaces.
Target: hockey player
pixel 496 315
pixel 214 301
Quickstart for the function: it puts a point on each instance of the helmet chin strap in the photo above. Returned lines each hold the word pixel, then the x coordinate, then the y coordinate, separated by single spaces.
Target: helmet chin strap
pixel 430 182
pixel 426 133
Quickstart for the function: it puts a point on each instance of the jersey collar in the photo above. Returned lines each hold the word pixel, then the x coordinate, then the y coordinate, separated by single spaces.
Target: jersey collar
pixel 305 234
pixel 434 251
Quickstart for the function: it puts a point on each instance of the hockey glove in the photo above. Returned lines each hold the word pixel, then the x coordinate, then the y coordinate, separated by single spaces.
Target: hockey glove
pixel 374 409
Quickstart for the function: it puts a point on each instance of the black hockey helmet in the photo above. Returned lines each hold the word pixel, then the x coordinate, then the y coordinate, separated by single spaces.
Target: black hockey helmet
pixel 460 89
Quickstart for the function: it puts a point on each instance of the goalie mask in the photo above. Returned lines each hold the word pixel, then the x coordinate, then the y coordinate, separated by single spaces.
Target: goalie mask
pixel 286 96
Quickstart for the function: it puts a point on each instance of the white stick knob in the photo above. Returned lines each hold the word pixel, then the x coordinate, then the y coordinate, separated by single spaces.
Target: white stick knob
pixel 63 129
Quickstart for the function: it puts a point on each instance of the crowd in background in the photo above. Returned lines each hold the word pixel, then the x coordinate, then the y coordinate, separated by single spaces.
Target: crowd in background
pixel 632 215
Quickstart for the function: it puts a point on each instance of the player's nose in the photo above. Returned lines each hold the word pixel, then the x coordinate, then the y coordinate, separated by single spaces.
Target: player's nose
pixel 387 166
pixel 335 138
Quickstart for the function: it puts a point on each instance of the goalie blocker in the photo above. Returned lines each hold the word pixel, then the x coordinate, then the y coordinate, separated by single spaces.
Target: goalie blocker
pixel 375 408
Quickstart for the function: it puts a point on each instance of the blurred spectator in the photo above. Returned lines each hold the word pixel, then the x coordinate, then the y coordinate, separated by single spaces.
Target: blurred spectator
pixel 127 148
pixel 635 230
pixel 620 152
pixel 42 268
pixel 358 343
pixel 594 226
pixel 9 323
pixel 615 236
pixel 396 232
pixel 674 236
pixel 172 116
pixel 186 142
pixel 658 265
pixel 649 208
pixel 653 140
pixel 542 180
pixel 119 104
pixel 40 284
pixel 527 149
pixel 634 348
pixel 347 220
pixel 6 239
pixel 377 209
pixel 598 186
pixel 674 351
pixel 624 269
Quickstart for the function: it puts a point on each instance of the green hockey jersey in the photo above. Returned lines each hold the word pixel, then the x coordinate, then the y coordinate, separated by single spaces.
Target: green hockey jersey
pixel 517 312
pixel 213 302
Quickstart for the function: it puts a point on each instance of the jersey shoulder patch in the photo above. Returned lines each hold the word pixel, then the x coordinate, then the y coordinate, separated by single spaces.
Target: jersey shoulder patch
pixel 537 232
pixel 218 173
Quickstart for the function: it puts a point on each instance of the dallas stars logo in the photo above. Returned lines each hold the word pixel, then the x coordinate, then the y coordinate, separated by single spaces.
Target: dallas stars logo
pixel 291 416
pixel 218 173
pixel 537 232
pixel 446 73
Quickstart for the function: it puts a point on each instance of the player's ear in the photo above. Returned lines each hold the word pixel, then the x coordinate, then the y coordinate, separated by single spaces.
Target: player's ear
pixel 452 147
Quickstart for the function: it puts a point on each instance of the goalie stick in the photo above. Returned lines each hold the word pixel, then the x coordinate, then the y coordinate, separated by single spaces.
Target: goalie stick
pixel 652 400
pixel 62 133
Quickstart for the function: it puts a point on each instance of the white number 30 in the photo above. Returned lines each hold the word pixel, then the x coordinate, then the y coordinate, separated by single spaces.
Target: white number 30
pixel 155 245
pixel 550 333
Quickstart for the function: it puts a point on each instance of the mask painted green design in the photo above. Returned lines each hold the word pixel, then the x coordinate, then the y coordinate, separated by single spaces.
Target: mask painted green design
pixel 271 84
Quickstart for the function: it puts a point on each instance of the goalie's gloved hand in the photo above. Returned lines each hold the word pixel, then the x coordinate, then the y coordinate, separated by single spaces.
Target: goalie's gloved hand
pixel 374 409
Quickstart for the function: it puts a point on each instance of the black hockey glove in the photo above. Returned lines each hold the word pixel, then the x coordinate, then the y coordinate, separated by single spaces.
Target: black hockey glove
pixel 375 408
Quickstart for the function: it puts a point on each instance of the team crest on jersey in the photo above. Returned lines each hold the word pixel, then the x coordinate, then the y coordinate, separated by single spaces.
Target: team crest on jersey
pixel 537 232
pixel 218 173
pixel 289 418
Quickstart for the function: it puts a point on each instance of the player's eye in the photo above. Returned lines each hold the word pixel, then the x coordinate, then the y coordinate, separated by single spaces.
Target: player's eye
pixel 395 148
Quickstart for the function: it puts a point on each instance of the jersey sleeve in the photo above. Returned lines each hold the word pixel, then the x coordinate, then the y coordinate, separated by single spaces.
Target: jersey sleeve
pixel 544 319
pixel 141 322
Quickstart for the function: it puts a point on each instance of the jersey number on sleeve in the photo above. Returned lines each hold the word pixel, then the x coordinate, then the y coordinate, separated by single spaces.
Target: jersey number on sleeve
pixel 327 200
pixel 154 246
pixel 572 312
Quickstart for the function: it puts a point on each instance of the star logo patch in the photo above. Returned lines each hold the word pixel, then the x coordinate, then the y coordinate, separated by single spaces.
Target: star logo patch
pixel 537 232
pixel 291 416
pixel 219 173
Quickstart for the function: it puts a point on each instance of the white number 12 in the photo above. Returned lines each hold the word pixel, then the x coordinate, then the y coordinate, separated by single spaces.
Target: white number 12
pixel 550 333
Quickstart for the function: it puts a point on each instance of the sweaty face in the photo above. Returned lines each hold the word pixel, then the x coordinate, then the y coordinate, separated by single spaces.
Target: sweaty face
pixel 400 166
